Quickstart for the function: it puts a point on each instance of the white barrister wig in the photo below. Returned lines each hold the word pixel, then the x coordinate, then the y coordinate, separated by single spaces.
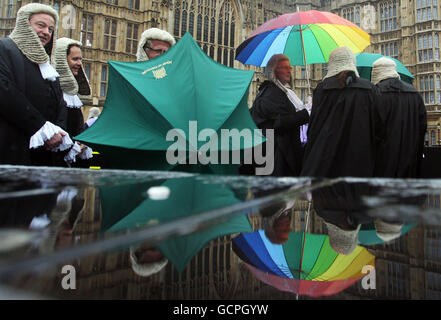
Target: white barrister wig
pixel 341 59
pixel 69 83
pixel 26 38
pixel 382 69
pixel 152 34
pixel 342 241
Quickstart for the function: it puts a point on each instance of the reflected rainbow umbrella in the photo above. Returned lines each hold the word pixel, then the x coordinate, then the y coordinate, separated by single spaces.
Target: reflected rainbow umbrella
pixel 305 265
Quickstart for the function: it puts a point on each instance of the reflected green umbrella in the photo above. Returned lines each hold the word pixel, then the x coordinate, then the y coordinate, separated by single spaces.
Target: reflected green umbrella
pixel 366 60
pixel 181 100
pixel 368 234
pixel 188 196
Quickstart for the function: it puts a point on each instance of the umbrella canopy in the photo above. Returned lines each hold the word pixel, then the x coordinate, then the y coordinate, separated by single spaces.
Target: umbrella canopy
pixel 188 196
pixel 306 264
pixel 305 35
pixel 366 60
pixel 368 235
pixel 182 89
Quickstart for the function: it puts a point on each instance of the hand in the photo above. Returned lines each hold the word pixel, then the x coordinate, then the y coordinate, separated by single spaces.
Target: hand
pixel 55 141
pixel 82 147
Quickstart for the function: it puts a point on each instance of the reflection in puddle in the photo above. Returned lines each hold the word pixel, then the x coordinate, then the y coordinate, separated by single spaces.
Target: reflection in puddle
pixel 185 246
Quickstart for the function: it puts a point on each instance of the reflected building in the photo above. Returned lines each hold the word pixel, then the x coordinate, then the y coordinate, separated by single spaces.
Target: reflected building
pixel 407 268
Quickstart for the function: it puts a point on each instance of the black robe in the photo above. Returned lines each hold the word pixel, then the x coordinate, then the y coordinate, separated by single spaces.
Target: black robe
pixel 342 204
pixel 404 113
pixel 344 130
pixel 273 110
pixel 27 101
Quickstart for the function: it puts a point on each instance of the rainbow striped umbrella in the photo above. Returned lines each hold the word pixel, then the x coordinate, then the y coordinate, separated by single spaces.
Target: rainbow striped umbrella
pixel 306 37
pixel 306 264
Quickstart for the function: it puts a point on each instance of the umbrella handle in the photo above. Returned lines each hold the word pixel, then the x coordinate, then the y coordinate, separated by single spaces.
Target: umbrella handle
pixel 306 63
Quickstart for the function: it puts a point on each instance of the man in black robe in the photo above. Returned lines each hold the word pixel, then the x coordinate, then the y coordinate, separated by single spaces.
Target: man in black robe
pixel 32 109
pixel 403 111
pixel 345 126
pixel 277 108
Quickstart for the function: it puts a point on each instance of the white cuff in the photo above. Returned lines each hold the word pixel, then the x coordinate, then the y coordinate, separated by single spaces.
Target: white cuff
pixel 87 153
pixel 70 157
pixel 72 101
pixel 48 72
pixel 46 132
pixel 67 195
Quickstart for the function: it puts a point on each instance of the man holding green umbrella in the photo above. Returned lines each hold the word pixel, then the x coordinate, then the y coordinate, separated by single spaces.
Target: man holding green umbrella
pixel 404 114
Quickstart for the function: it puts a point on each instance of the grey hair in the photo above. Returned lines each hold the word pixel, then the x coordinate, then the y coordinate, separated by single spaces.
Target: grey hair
pixel 269 71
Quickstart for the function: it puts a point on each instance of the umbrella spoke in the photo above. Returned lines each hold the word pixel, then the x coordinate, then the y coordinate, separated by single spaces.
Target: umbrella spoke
pixel 258 54
pixel 279 45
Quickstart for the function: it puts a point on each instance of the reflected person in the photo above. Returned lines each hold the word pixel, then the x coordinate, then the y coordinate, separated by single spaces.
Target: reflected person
pixel 146 260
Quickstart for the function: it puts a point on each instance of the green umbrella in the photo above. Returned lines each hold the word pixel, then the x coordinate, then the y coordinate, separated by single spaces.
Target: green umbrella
pixel 188 196
pixel 368 235
pixel 182 89
pixel 366 60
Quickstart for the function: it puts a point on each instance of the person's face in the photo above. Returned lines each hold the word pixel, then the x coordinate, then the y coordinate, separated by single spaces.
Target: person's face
pixel 148 254
pixel 156 48
pixel 282 227
pixel 74 59
pixel 44 25
pixel 283 72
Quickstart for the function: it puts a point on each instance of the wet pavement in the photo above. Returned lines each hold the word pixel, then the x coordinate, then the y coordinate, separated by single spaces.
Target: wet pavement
pixel 109 234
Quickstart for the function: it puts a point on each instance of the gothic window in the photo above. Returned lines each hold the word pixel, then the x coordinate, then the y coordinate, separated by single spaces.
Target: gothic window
pixel 9 14
pixel 219 55
pixel 231 57
pixel 232 35
pixel 177 20
pixel 212 33
pixel 191 23
pixel 110 26
pixel 199 28
pixel 206 28
pixel 388 16
pixel 103 86
pixel 214 30
pixel 426 10
pixel 184 22
pixel 132 38
pixel 219 31
pixel 134 4
pixel 87 30
pixel 428 47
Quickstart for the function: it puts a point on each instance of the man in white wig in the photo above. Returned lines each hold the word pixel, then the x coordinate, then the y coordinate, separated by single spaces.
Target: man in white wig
pixel 153 43
pixel 278 108
pixel 32 109
pixel 404 114
pixel 146 260
pixel 67 60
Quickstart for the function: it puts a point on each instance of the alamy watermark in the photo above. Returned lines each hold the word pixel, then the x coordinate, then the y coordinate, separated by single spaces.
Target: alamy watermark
pixel 69 20
pixel 369 281
pixel 69 281
pixel 229 146
pixel 368 20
